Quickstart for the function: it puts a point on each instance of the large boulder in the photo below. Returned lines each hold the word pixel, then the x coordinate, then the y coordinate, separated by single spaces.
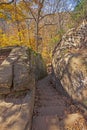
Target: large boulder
pixel 17 88
pixel 70 63
pixel 16 73
pixel 17 91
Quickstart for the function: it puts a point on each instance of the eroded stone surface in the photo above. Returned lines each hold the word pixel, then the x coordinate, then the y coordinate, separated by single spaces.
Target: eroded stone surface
pixel 16 113
pixel 5 79
pixel 16 74
pixel 17 89
pixel 23 78
pixel 70 62
pixel 4 52
pixel 75 121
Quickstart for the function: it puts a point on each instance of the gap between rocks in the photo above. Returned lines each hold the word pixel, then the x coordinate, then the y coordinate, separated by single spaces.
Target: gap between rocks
pixel 53 111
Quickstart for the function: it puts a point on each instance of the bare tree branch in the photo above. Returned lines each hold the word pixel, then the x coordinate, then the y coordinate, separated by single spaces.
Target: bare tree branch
pixel 2 3
pixel 30 10
pixel 40 8
pixel 45 16
pixel 47 24
pixel 28 18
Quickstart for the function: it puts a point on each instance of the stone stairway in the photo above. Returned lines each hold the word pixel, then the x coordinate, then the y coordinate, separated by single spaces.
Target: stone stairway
pixel 50 107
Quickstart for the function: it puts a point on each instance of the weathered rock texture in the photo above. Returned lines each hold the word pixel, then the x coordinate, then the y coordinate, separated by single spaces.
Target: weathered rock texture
pixel 16 111
pixel 38 65
pixel 4 53
pixel 17 89
pixel 70 62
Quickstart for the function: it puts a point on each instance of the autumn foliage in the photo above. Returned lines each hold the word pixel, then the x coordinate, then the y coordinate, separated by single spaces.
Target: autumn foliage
pixel 38 24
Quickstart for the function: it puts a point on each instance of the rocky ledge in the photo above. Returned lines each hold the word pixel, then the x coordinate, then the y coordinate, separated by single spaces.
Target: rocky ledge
pixel 17 88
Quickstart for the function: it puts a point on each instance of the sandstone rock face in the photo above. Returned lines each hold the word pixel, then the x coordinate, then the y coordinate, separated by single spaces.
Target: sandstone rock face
pixel 40 67
pixel 16 111
pixel 4 53
pixel 5 79
pixel 23 79
pixel 17 88
pixel 75 122
pixel 70 63
pixel 15 72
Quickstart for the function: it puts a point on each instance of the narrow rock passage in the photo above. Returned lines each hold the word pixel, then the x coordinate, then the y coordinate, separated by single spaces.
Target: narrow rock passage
pixel 50 107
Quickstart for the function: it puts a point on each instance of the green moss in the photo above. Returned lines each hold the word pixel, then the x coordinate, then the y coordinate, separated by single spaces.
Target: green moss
pixel 65 51
pixel 85 102
pixel 40 66
pixel 31 51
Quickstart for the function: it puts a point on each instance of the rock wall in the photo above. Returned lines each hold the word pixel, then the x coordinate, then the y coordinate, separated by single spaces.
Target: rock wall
pixel 17 89
pixel 70 63
pixel 4 53
pixel 40 68
pixel 38 64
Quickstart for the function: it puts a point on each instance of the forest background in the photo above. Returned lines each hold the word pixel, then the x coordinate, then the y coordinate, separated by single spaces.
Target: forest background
pixel 39 24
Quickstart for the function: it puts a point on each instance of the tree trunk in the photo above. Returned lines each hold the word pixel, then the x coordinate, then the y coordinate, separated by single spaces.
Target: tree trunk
pixel 17 22
pixel 37 35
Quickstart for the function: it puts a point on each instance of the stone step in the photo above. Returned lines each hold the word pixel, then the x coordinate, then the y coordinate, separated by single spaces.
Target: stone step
pixel 47 87
pixel 44 101
pixel 46 104
pixel 48 94
pixel 48 98
pixel 51 110
pixel 46 123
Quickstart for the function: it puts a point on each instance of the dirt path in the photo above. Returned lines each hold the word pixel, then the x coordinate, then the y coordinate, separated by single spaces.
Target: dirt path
pixel 51 108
